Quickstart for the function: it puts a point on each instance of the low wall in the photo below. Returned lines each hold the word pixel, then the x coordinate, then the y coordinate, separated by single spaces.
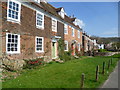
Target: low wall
pixel 105 53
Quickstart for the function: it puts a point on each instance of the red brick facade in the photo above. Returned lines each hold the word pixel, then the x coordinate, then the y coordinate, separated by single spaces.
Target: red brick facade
pixel 28 31
pixel 68 37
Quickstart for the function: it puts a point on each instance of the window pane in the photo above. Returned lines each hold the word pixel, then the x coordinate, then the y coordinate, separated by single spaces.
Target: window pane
pixel 8 45
pixel 17 9
pixel 10 3
pixel 13 8
pixel 17 5
pixel 15 49
pixel 9 15
pixel 9 40
pixel 12 49
pixel 16 17
pixel 16 13
pixel 8 49
pixel 12 16
pixel 10 11
pixel 13 3
pixel 9 35
pixel 15 45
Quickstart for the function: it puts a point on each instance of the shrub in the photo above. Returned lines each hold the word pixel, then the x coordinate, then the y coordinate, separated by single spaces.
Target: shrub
pixel 116 56
pixel 33 63
pixel 66 56
pixel 63 55
pixel 102 50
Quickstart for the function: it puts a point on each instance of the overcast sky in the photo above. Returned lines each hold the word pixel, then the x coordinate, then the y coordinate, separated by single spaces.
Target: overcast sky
pixel 99 18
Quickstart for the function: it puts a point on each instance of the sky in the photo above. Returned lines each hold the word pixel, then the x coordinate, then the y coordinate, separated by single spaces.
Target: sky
pixel 99 18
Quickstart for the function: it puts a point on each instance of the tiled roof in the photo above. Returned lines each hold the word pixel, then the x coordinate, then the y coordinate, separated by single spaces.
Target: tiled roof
pixel 58 9
pixel 54 11
pixel 70 20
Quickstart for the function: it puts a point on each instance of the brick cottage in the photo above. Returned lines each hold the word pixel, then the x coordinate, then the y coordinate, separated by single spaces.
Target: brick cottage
pixel 32 30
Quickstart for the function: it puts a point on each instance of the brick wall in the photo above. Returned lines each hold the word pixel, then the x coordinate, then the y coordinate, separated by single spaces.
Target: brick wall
pixel 68 37
pixel 86 39
pixel 27 30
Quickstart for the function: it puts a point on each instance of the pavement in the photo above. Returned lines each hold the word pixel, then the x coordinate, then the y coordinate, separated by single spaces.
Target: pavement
pixel 112 81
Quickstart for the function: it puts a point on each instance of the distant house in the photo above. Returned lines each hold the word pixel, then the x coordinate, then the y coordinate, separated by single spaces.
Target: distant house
pixel 32 30
pixel 101 46
pixel 88 43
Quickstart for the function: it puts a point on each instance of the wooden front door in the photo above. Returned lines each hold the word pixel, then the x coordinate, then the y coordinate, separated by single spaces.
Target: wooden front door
pixel 54 50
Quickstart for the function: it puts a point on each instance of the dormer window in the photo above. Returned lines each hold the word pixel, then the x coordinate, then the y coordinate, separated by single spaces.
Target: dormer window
pixel 61 12
pixel 38 1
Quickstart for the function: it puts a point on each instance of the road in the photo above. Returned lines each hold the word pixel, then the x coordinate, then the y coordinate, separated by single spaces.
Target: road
pixel 112 81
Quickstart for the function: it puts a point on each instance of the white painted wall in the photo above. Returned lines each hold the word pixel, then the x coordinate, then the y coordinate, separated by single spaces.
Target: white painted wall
pixel 101 46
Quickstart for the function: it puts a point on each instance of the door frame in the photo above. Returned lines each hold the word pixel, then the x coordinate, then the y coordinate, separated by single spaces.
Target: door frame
pixel 55 43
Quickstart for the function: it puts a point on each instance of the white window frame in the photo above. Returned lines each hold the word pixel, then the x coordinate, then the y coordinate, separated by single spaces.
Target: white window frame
pixel 66 42
pixel 18 44
pixel 55 25
pixel 78 34
pixel 40 51
pixel 78 46
pixel 73 32
pixel 65 28
pixel 19 12
pixel 38 26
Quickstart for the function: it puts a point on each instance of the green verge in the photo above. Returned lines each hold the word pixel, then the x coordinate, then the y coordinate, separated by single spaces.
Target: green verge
pixel 65 75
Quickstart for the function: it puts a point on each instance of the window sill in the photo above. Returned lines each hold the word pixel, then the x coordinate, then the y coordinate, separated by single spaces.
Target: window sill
pixel 54 31
pixel 38 27
pixel 12 53
pixel 39 51
pixel 66 33
pixel 13 21
pixel 65 50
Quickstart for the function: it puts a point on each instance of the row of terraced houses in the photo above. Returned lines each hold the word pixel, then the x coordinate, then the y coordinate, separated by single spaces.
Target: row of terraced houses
pixel 32 30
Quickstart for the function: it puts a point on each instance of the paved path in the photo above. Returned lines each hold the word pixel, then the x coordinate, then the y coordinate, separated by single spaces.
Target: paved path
pixel 112 81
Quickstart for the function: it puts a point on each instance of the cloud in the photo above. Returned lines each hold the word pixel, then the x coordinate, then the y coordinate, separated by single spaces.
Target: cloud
pixel 112 32
pixel 79 23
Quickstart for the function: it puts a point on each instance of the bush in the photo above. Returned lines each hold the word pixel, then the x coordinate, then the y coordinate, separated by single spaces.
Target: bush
pixel 102 50
pixel 33 63
pixel 116 56
pixel 65 56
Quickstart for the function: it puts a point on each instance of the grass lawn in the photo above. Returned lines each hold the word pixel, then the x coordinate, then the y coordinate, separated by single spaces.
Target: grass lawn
pixel 65 75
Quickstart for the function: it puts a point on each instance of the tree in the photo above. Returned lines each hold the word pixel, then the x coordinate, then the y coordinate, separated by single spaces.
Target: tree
pixel 116 45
